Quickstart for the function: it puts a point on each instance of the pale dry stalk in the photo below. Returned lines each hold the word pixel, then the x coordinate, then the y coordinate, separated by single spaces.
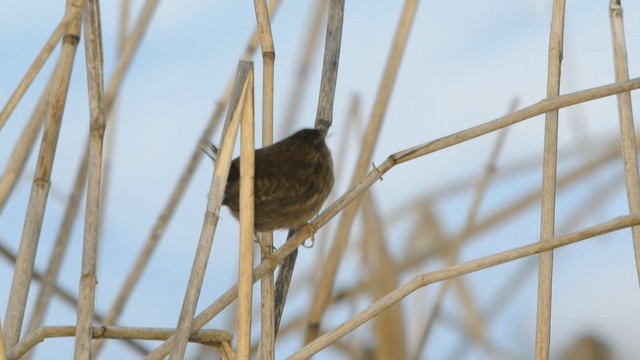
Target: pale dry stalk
pixel 95 80
pixel 330 62
pixel 247 216
pixel 625 113
pixel 3 351
pixel 207 337
pixel 549 169
pixel 267 327
pixel 59 249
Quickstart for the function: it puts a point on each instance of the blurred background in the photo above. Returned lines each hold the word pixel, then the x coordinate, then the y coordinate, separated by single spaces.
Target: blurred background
pixel 465 63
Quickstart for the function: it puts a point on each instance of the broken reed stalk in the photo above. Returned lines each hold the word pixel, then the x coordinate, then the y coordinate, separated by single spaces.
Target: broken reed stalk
pixel 329 269
pixel 330 62
pixel 209 337
pixel 458 270
pixel 549 175
pixel 400 157
pixel 625 113
pixel 40 189
pixel 267 332
pixel 70 17
pixel 211 216
pixel 95 80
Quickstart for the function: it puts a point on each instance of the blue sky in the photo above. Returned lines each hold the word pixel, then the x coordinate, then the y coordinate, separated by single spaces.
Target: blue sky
pixel 464 63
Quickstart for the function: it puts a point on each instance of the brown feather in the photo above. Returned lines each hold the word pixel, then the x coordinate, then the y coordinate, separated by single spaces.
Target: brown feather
pixel 293 178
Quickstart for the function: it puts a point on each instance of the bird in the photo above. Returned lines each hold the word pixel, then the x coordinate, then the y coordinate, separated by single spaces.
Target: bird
pixel 293 178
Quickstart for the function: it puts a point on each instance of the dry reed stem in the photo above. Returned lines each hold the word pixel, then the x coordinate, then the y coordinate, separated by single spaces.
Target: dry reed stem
pixel 67 21
pixel 395 159
pixel 206 337
pixel 299 87
pixel 625 113
pixel 458 270
pixel 226 351
pixel 326 279
pixel 57 255
pixel 158 229
pixel 549 175
pixel 247 216
pixel 530 111
pixel 95 81
pixel 41 183
pixel 383 277
pixel 214 201
pixel 3 351
pixel 283 282
pixel 267 330
pixel 330 61
pixel 22 150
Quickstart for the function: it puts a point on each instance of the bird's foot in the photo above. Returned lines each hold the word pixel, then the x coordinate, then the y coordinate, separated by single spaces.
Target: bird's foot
pixel 267 251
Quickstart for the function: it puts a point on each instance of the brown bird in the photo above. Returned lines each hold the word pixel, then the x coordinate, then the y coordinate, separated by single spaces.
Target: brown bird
pixel 293 178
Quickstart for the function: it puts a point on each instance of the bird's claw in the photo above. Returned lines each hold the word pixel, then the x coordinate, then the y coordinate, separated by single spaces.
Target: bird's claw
pixel 268 253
